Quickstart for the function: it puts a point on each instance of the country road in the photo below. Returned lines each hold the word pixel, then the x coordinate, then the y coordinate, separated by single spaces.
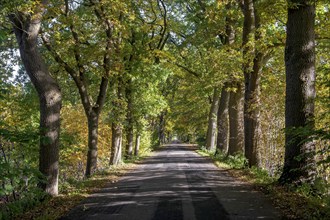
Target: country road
pixel 175 183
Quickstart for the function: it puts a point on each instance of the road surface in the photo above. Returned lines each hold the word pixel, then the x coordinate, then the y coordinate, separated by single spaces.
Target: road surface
pixel 175 183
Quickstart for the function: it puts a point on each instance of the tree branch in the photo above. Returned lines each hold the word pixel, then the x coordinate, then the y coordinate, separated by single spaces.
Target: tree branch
pixel 81 86
pixel 187 69
pixel 163 38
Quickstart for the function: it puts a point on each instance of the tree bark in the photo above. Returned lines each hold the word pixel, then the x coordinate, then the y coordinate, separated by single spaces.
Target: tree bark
pixel 222 121
pixel 26 28
pixel 212 124
pixel 236 120
pixel 117 123
pixel 252 114
pixel 93 122
pixel 129 119
pixel 228 127
pixel 300 93
pixel 92 113
pixel 129 144
pixel 137 145
pixel 161 128
pixel 116 144
pixel 251 78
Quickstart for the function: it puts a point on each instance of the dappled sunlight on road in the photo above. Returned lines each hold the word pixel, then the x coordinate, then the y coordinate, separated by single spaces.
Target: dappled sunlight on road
pixel 176 183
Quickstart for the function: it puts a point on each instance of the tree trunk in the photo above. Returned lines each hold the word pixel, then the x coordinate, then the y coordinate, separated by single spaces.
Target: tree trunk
pixel 130 140
pixel 222 121
pixel 236 120
pixel 223 116
pixel 252 88
pixel 129 119
pixel 26 28
pixel 161 128
pixel 252 114
pixel 116 144
pixel 93 122
pixel 300 93
pixel 117 123
pixel 137 145
pixel 92 112
pixel 212 124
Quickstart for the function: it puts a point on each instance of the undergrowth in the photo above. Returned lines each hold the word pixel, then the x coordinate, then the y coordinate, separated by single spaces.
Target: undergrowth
pixel 37 205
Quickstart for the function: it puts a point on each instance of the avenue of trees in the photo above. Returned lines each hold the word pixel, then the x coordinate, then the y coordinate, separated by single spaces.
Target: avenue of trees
pixel 86 84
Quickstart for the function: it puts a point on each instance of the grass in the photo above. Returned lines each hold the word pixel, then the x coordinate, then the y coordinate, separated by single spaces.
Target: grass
pixel 72 192
pixel 294 202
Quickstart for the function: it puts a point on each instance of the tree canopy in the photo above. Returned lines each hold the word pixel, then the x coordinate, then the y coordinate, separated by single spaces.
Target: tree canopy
pixel 128 76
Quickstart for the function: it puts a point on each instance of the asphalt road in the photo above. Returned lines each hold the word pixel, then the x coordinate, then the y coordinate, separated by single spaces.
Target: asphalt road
pixel 173 184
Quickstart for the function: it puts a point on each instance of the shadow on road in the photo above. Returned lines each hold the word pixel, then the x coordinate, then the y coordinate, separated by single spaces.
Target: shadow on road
pixel 175 183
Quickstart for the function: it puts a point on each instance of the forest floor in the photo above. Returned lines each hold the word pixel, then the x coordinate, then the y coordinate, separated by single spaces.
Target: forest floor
pixel 176 183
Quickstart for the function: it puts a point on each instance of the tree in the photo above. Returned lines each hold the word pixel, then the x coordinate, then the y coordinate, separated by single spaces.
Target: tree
pixel 82 65
pixel 230 128
pixel 251 67
pixel 236 122
pixel 223 120
pixel 212 123
pixel 299 164
pixel 198 44
pixel 117 120
pixel 26 27
pixel 129 120
pixel 137 144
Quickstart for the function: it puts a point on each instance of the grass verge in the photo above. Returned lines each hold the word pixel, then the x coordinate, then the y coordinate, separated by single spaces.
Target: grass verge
pixel 293 202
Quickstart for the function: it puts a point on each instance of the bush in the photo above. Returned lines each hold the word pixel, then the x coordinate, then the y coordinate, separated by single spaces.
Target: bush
pixel 19 175
pixel 27 200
